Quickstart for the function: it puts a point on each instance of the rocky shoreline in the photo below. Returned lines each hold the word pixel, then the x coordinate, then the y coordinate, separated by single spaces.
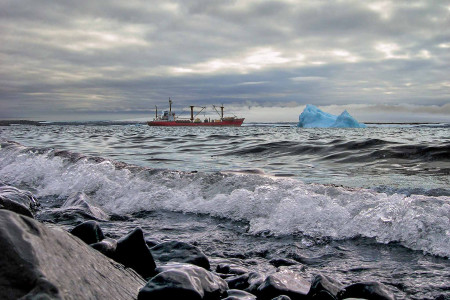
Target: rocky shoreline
pixel 46 262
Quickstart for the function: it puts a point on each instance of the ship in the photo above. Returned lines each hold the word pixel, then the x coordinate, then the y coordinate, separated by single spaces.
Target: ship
pixel 169 118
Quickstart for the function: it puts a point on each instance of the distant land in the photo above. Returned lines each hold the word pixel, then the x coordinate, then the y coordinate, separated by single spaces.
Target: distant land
pixel 41 123
pixel 19 122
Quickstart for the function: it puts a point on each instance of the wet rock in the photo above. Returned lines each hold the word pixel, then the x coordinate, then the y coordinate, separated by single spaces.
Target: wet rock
pixel 318 260
pixel 324 287
pixel 82 203
pixel 255 279
pixel 226 268
pixel 183 281
pixel 107 247
pixel 248 282
pixel 174 251
pixel 15 207
pixel 286 283
pixel 89 232
pixel 45 263
pixel 323 295
pixel 132 251
pixel 18 201
pixel 366 290
pixel 279 262
pixel 282 297
pixel 152 242
pixel 239 282
pixel 77 208
pixel 239 295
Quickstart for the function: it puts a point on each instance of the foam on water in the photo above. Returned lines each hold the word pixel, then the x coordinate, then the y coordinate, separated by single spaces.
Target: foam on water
pixel 278 206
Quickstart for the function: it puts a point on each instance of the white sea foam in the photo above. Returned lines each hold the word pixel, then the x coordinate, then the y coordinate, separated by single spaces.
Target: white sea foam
pixel 280 206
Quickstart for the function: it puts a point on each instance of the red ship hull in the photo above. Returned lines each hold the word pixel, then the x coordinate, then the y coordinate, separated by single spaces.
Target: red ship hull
pixel 234 122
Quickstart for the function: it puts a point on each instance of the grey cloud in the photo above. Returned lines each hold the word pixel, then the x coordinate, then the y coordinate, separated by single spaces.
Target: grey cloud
pixel 87 56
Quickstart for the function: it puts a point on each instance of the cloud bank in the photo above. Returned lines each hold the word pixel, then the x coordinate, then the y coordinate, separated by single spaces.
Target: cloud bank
pixel 113 59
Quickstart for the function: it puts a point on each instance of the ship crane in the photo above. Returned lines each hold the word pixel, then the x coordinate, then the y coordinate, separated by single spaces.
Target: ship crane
pixel 221 111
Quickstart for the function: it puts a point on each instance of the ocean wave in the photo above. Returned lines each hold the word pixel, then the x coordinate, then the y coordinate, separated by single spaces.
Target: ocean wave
pixel 276 205
pixel 352 151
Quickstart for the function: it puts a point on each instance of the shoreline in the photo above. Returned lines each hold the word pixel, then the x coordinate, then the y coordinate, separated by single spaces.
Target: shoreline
pixel 135 267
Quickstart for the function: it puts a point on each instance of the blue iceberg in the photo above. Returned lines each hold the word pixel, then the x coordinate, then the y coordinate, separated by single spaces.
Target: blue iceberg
pixel 312 117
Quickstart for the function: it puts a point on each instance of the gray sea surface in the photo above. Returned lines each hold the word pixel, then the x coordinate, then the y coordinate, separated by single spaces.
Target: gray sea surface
pixel 368 204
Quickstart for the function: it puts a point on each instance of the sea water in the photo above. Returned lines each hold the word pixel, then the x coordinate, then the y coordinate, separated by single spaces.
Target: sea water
pixel 366 204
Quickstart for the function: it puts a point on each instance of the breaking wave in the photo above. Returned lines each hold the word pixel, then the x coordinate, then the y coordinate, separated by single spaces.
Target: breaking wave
pixel 277 205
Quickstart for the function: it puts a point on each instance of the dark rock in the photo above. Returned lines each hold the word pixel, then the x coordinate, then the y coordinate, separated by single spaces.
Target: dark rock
pixel 279 262
pixel 15 207
pixel 183 281
pixel 175 251
pixel 151 242
pixel 84 204
pixel 366 290
pixel 89 232
pixel 132 252
pixel 18 201
pixel 77 208
pixel 106 247
pixel 239 295
pixel 286 283
pixel 231 269
pixel 325 287
pixel 249 281
pixel 282 297
pixel 255 279
pixel 44 263
pixel 239 282
pixel 314 260
pixel 323 295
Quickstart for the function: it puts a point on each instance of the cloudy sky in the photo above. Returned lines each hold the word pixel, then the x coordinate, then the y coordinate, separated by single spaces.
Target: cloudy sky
pixel 264 60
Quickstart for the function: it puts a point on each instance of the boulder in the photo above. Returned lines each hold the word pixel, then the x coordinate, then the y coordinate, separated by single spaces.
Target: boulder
pixel 285 282
pixel 227 268
pixel 82 202
pixel 78 207
pixel 152 242
pixel 107 247
pixel 132 251
pixel 248 282
pixel 280 262
pixel 323 295
pixel 282 297
pixel 48 263
pixel 239 295
pixel 89 232
pixel 324 287
pixel 366 290
pixel 18 201
pixel 183 281
pixel 239 282
pixel 175 251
